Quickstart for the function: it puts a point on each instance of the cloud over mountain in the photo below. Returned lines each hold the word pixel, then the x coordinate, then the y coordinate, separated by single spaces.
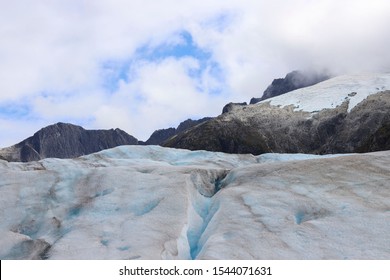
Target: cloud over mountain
pixel 143 65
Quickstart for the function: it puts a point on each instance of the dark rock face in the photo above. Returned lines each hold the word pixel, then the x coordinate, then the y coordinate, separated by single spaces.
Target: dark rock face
pixel 293 80
pixel 230 106
pixel 63 140
pixel 265 128
pixel 366 127
pixel 378 141
pixel 187 124
pixel 160 136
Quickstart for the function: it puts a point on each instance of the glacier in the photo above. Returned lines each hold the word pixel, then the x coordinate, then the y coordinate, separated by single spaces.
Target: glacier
pixel 331 93
pixel 149 202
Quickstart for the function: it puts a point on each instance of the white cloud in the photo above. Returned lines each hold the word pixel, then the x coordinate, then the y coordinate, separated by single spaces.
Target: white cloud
pixel 161 94
pixel 52 54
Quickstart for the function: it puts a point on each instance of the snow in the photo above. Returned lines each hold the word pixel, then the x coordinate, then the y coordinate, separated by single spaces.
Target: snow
pixel 333 92
pixel 150 202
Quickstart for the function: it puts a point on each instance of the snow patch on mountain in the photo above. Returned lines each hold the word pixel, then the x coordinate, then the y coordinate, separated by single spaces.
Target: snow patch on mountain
pixel 333 92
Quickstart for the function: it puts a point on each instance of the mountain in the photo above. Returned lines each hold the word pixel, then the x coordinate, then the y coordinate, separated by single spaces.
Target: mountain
pixel 63 140
pixel 344 114
pixel 149 202
pixel 160 136
pixel 340 115
pixel 293 80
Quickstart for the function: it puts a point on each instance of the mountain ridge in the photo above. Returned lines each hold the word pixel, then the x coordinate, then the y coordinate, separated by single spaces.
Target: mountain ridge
pixel 63 140
pixel 334 116
pixel 348 113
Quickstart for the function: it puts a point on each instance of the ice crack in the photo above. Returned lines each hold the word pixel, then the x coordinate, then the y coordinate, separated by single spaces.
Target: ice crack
pixel 202 207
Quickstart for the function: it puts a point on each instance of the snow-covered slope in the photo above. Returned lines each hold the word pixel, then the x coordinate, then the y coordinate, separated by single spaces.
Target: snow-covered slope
pixel 333 92
pixel 157 203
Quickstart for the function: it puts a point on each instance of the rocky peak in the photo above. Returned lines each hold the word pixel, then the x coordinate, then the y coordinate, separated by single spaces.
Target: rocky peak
pixel 64 140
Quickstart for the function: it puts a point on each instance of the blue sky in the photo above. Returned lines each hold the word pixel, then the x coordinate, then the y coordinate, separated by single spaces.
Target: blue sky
pixel 146 65
pixel 115 71
pixel 13 110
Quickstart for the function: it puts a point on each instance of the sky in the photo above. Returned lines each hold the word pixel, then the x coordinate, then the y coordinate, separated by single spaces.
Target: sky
pixel 146 65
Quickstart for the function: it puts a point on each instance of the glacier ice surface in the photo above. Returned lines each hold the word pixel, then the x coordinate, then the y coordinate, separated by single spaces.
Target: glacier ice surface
pixel 150 202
